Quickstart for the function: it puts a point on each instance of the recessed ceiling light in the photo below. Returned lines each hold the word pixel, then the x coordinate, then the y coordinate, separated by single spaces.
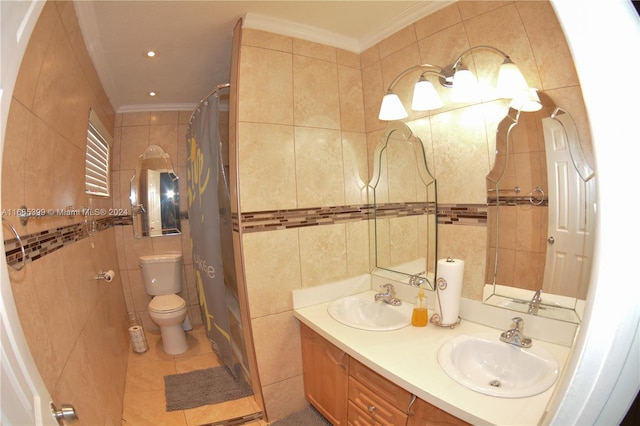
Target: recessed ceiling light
pixel 151 53
pixel 152 93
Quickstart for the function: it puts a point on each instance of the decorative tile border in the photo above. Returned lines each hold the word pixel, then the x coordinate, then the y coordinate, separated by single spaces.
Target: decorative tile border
pixel 42 243
pixel 462 214
pixel 449 214
pixel 295 218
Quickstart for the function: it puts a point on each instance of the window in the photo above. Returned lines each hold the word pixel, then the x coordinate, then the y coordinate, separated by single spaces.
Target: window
pixel 97 164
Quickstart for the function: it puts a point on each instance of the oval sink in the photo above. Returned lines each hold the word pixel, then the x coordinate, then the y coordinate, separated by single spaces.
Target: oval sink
pixel 487 365
pixel 363 312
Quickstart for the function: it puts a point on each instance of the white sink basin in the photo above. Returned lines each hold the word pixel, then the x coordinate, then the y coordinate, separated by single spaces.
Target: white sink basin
pixel 363 312
pixel 487 365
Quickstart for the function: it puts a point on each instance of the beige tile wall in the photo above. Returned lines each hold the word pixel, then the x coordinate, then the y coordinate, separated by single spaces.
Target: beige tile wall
pixel 301 144
pixel 76 326
pixel 134 132
pixel 307 112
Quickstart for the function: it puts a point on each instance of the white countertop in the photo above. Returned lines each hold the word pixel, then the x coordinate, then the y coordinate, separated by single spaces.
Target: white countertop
pixel 408 357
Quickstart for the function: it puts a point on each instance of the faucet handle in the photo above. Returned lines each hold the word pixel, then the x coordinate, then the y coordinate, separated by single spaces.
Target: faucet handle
pixel 389 287
pixel 518 323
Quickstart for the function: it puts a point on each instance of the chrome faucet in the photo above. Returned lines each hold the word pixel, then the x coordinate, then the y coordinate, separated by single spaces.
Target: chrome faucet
pixel 416 280
pixel 534 305
pixel 389 296
pixel 514 335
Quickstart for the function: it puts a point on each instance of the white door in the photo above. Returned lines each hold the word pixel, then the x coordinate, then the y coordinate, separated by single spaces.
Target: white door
pixel 568 226
pixel 154 206
pixel 24 397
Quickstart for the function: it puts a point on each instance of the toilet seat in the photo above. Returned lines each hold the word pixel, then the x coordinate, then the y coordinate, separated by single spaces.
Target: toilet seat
pixel 167 303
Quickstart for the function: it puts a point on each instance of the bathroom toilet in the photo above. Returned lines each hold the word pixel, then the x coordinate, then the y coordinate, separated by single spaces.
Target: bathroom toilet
pixel 162 275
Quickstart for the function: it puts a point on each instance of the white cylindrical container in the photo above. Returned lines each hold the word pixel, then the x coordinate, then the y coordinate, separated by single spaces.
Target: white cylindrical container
pixel 449 289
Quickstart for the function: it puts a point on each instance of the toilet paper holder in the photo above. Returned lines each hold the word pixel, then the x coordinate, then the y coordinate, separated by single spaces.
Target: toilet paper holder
pixel 105 275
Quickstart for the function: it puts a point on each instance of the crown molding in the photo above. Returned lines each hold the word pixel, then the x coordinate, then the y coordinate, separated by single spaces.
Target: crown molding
pixel 157 107
pixel 408 15
pixel 301 31
pixel 222 106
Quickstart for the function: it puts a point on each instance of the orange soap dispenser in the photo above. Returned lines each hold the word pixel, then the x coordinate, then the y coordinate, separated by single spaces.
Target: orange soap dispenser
pixel 420 314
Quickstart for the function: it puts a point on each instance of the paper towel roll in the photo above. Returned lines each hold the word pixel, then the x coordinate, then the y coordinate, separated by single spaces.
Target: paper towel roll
pixel 451 271
pixel 138 340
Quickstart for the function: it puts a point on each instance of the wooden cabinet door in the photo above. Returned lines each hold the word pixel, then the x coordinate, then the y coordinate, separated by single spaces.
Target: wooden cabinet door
pixel 326 376
pixel 424 414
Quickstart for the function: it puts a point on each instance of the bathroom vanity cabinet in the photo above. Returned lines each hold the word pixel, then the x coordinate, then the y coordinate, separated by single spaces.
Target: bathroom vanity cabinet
pixel 347 392
pixel 326 370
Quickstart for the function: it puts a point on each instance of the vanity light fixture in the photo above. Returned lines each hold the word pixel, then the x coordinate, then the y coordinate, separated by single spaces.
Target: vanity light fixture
pixel 511 84
pixel 425 96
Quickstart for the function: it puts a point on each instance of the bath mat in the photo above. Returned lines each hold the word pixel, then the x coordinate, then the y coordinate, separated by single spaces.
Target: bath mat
pixel 202 387
pixel 307 417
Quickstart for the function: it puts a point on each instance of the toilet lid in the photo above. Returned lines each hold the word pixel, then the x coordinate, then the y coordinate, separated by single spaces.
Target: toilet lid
pixel 167 303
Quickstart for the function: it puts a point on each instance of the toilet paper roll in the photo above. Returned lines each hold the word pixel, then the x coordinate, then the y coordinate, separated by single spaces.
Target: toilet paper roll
pixel 138 339
pixel 448 299
pixel 108 276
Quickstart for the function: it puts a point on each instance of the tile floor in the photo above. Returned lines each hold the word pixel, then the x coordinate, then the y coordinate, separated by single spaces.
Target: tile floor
pixel 144 401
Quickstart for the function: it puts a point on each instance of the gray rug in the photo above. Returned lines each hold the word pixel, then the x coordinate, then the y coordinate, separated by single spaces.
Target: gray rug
pixel 202 387
pixel 307 417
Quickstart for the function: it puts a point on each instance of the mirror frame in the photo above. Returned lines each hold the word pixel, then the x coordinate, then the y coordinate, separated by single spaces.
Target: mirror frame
pixel 560 307
pixel 421 273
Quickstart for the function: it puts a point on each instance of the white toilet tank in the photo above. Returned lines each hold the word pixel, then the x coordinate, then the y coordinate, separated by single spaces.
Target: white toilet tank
pixel 162 273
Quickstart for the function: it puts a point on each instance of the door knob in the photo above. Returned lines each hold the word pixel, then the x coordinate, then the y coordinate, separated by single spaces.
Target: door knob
pixel 66 412
pixel 551 240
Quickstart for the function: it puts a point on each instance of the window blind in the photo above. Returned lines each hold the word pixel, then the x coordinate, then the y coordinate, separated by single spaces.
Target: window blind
pixel 97 159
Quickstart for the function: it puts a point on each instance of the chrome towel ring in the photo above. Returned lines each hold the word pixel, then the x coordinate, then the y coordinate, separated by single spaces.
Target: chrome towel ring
pixel 15 233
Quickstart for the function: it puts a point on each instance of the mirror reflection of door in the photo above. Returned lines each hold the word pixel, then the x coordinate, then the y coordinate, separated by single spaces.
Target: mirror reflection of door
pixel 169 203
pixel 153 203
pixel 555 219
pixel 569 215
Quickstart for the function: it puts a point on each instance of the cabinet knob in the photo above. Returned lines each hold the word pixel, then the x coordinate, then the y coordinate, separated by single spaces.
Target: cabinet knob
pixel 371 409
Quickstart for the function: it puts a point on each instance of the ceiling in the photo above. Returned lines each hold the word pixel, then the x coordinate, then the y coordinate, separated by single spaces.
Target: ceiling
pixel 193 40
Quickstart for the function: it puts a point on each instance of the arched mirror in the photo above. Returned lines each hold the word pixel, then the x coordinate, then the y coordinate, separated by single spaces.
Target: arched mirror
pixel 541 215
pixel 403 191
pixel 155 195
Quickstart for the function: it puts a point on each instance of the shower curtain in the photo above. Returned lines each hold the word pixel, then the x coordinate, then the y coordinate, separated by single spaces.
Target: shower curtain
pixel 211 233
